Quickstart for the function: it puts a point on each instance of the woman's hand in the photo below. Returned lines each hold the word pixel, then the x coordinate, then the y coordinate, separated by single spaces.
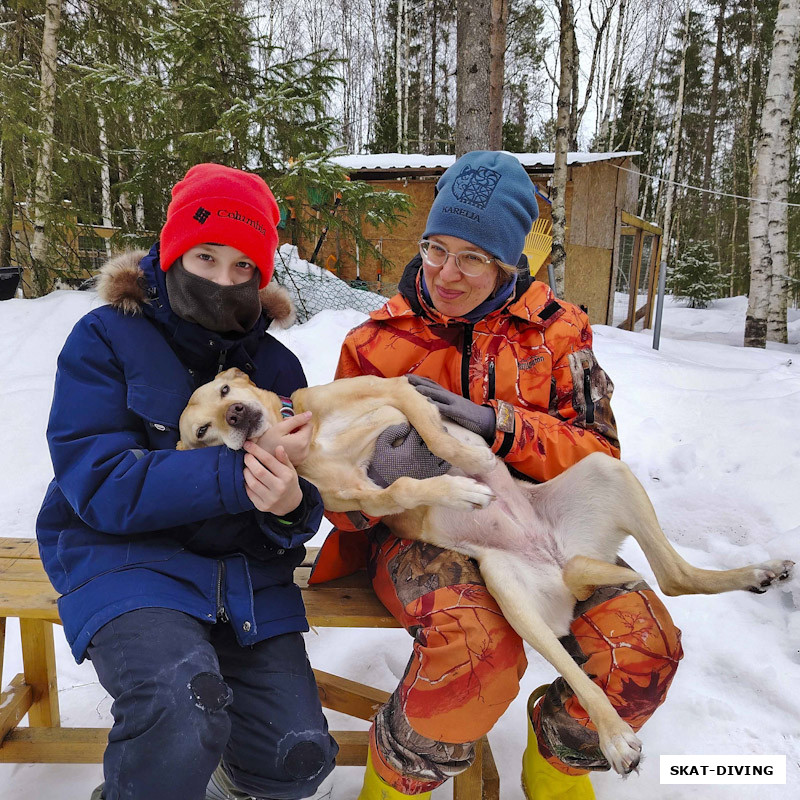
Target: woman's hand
pixel 292 434
pixel 271 482
pixel 400 451
pixel 475 418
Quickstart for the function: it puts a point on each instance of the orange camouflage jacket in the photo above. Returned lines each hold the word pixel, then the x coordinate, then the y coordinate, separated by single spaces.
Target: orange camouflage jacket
pixel 531 360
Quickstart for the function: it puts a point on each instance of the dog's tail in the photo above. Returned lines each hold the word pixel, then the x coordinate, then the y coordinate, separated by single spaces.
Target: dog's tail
pixel 583 575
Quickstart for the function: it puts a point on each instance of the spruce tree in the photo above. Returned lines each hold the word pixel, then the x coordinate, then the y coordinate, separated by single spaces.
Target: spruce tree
pixel 695 275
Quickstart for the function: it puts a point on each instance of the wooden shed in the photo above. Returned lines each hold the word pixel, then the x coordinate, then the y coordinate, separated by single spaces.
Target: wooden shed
pixel 602 244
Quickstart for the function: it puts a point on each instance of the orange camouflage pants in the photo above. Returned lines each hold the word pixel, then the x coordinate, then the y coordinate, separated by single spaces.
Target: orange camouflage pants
pixel 467 662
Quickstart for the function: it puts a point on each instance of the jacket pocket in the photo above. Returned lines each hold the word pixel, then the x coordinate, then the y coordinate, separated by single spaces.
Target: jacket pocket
pixel 160 412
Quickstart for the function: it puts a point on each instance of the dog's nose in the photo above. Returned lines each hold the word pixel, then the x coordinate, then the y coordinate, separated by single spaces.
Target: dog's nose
pixel 235 415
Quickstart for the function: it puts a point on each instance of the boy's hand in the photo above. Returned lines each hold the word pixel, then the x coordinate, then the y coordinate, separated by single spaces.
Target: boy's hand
pixel 271 481
pixel 293 434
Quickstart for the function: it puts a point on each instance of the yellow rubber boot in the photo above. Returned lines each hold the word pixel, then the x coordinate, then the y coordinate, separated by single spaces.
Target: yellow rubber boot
pixel 375 788
pixel 541 780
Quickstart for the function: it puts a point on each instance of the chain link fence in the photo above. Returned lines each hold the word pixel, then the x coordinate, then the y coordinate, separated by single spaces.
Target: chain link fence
pixel 314 289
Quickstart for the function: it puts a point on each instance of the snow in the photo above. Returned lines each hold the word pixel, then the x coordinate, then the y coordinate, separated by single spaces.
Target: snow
pixel 710 428
pixel 371 161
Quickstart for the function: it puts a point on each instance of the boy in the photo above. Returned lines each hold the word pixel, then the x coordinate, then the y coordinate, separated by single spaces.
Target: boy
pixel 175 568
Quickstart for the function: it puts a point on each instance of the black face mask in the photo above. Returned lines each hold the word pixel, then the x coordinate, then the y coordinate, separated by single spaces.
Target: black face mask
pixel 223 309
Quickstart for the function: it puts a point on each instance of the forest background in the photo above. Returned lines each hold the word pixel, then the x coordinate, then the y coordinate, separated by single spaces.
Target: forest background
pixel 106 103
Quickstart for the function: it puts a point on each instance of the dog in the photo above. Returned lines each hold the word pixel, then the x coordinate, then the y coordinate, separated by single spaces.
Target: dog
pixel 540 547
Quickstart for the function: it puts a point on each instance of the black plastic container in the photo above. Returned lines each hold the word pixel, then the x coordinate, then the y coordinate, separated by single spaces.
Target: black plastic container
pixel 9 281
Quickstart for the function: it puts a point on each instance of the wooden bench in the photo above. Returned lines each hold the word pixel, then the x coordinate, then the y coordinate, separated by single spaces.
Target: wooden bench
pixel 26 593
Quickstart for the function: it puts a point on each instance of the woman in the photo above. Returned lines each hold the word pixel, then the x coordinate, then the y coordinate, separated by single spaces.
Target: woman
pixel 175 568
pixel 500 355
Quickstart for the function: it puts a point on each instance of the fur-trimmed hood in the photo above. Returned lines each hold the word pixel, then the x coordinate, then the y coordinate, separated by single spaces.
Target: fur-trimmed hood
pixel 122 284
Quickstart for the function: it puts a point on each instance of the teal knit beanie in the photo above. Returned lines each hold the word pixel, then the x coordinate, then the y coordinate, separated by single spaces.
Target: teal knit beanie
pixel 485 198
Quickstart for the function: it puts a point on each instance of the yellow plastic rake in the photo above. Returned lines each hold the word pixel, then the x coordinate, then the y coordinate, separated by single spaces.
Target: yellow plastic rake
pixel 538 244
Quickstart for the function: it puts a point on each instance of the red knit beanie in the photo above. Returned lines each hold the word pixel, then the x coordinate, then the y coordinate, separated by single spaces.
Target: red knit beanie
pixel 227 206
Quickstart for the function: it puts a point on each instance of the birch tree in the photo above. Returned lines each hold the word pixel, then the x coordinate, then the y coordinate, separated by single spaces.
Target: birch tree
pixel 613 80
pixel 558 190
pixel 673 171
pixel 47 114
pixel 769 188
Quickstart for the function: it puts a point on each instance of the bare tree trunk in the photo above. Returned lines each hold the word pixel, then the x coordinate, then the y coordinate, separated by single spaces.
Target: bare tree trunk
pixel 431 110
pixel 676 140
pixel 398 83
pixel 612 135
pixel 105 176
pixel 612 79
pixel 600 38
pixel 572 142
pixel 15 53
pixel 658 50
pixel 423 54
pixel 713 103
pixel 497 50
pixel 47 115
pixel 734 234
pixel 558 192
pixel 778 103
pixel 473 24
pixel 406 79
pixel 765 185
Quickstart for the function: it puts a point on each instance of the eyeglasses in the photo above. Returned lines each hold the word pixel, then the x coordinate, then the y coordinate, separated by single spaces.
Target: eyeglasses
pixel 469 262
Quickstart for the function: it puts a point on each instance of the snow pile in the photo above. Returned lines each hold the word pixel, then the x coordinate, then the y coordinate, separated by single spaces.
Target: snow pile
pixel 314 289
pixel 711 430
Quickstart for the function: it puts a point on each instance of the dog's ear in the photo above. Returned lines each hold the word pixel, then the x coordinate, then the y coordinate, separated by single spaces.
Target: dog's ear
pixel 181 446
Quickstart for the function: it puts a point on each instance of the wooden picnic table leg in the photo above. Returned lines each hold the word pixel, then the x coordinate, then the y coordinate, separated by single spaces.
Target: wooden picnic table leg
pixel 39 664
pixel 468 785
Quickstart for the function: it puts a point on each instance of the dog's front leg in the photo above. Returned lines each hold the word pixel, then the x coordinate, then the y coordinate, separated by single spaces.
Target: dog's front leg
pixel 505 579
pixel 452 491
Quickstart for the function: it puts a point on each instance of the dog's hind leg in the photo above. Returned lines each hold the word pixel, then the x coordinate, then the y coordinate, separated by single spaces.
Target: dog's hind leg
pixel 505 579
pixel 599 501
pixel 583 575
pixel 674 574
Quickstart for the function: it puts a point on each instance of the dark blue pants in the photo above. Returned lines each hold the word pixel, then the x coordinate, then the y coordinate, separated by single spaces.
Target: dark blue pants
pixel 186 695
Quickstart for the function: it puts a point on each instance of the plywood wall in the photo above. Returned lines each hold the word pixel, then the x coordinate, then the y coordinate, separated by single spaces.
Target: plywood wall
pixel 594 193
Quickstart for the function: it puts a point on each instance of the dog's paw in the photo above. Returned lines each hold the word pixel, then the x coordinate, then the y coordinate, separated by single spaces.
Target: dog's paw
pixel 484 460
pixel 466 494
pixel 623 749
pixel 768 574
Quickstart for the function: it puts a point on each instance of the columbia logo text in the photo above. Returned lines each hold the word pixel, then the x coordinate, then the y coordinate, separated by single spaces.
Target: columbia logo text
pixel 253 223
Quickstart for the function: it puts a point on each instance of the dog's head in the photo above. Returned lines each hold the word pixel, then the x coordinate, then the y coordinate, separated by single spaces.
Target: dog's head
pixel 228 410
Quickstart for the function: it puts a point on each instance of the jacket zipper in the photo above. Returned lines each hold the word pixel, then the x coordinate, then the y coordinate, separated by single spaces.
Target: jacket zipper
pixel 587 394
pixel 222 614
pixel 491 379
pixel 466 357
pixel 223 354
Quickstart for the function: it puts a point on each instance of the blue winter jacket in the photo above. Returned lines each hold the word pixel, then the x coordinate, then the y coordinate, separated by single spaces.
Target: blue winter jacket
pixel 130 522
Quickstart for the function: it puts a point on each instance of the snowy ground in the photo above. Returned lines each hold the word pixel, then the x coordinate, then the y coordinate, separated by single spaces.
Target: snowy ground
pixel 711 429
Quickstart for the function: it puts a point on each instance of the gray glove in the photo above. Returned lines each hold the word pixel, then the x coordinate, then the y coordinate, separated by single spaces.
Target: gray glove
pixel 478 419
pixel 400 451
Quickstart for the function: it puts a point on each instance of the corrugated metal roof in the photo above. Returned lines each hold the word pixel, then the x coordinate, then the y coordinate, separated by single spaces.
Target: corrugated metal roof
pixel 399 161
